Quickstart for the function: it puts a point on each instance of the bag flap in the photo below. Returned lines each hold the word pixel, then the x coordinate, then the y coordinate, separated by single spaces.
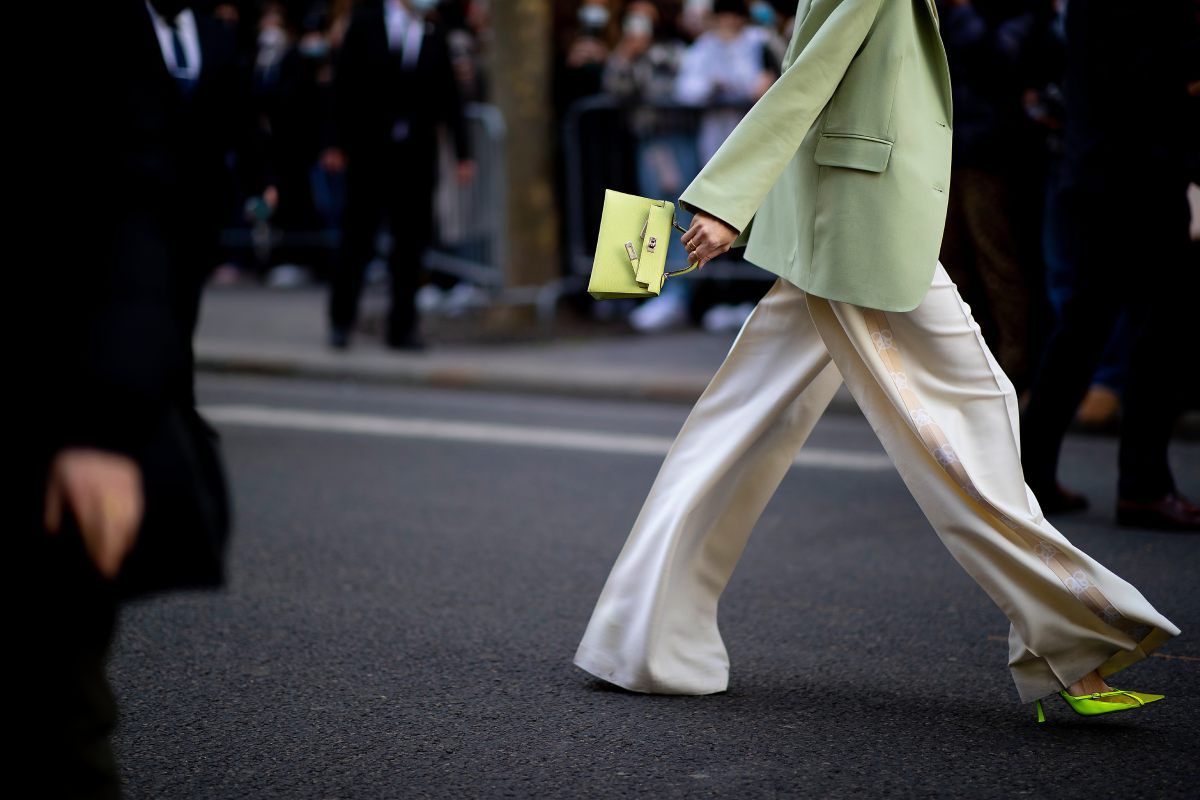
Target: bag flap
pixel 652 258
pixel 853 152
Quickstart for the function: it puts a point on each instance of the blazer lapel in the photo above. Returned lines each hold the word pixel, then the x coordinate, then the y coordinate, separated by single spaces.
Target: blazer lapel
pixel 940 55
pixel 932 5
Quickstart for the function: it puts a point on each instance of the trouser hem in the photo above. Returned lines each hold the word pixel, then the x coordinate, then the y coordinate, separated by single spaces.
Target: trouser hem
pixel 1039 677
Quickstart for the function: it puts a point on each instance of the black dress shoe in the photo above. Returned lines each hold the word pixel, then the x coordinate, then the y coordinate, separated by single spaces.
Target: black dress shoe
pixel 1057 500
pixel 411 343
pixel 339 338
pixel 1171 512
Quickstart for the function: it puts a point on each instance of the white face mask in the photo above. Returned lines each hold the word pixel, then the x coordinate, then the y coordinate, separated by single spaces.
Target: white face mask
pixel 593 16
pixel 272 38
pixel 637 24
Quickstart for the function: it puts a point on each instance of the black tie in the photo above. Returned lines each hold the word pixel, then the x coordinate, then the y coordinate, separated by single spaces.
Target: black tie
pixel 185 81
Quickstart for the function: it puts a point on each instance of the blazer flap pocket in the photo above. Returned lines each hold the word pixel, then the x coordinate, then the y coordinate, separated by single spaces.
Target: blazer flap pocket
pixel 853 152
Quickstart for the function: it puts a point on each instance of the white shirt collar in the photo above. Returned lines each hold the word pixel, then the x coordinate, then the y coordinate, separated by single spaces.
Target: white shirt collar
pixel 404 30
pixel 185 25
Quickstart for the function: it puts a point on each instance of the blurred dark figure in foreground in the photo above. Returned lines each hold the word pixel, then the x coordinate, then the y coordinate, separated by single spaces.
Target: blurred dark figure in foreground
pixel 1126 216
pixel 394 84
pixel 121 490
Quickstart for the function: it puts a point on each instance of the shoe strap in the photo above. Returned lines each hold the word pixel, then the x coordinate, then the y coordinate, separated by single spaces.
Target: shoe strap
pixel 1113 693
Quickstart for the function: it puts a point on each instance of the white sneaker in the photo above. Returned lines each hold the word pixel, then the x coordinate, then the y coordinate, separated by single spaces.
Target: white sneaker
pixel 288 276
pixel 719 318
pixel 725 317
pixel 463 297
pixel 429 298
pixel 659 314
pixel 226 275
pixel 744 311
pixel 377 272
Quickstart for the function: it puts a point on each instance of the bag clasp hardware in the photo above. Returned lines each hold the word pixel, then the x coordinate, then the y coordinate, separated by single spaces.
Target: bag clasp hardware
pixel 629 251
pixel 651 244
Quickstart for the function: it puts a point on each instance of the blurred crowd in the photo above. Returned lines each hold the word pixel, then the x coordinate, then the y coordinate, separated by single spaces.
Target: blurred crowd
pixel 680 74
pixel 292 171
pixel 1009 242
pixel 288 215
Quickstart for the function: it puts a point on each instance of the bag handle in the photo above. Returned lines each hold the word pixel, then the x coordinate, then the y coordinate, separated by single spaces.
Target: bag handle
pixel 690 267
pixel 674 224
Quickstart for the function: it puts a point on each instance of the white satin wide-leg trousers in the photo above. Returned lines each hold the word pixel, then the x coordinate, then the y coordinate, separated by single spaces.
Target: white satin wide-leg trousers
pixel 947 416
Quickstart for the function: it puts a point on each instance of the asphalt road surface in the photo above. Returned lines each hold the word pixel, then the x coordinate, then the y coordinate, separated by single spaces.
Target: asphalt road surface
pixel 412 571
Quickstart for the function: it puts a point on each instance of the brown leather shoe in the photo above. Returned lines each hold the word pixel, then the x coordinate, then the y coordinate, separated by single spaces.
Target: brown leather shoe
pixel 1172 512
pixel 1057 500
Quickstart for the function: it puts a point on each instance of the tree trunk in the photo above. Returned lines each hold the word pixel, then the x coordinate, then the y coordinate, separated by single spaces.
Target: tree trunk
pixel 521 86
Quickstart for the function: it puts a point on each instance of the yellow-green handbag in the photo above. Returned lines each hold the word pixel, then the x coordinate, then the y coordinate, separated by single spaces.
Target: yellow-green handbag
pixel 631 251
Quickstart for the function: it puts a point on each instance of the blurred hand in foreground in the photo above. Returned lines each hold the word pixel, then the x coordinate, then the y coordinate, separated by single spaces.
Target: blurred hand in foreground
pixel 103 492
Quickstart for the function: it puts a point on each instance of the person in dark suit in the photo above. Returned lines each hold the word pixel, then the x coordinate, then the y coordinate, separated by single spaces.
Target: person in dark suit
pixel 394 85
pixel 1124 202
pixel 121 483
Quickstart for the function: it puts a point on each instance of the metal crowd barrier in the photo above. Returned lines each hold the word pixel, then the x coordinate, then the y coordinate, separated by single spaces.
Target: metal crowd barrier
pixel 470 221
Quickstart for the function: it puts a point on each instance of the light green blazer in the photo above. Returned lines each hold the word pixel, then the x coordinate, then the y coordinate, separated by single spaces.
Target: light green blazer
pixel 844 164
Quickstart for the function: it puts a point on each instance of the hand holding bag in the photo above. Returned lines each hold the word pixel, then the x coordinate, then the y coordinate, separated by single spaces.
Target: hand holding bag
pixel 631 251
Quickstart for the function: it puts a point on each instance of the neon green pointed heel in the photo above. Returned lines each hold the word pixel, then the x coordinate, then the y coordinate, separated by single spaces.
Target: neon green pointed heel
pixel 1090 705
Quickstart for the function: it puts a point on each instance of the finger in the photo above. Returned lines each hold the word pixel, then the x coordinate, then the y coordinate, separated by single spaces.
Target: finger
pixel 119 525
pixel 692 231
pixel 102 535
pixel 720 246
pixel 52 518
pixel 86 504
pixel 131 523
pixel 107 545
pixel 99 547
pixel 707 252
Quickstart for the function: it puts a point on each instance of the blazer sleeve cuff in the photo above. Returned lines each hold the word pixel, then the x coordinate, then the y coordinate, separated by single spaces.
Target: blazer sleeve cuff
pixel 704 196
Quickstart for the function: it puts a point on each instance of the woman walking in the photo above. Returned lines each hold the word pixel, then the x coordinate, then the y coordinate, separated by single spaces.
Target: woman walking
pixel 843 168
